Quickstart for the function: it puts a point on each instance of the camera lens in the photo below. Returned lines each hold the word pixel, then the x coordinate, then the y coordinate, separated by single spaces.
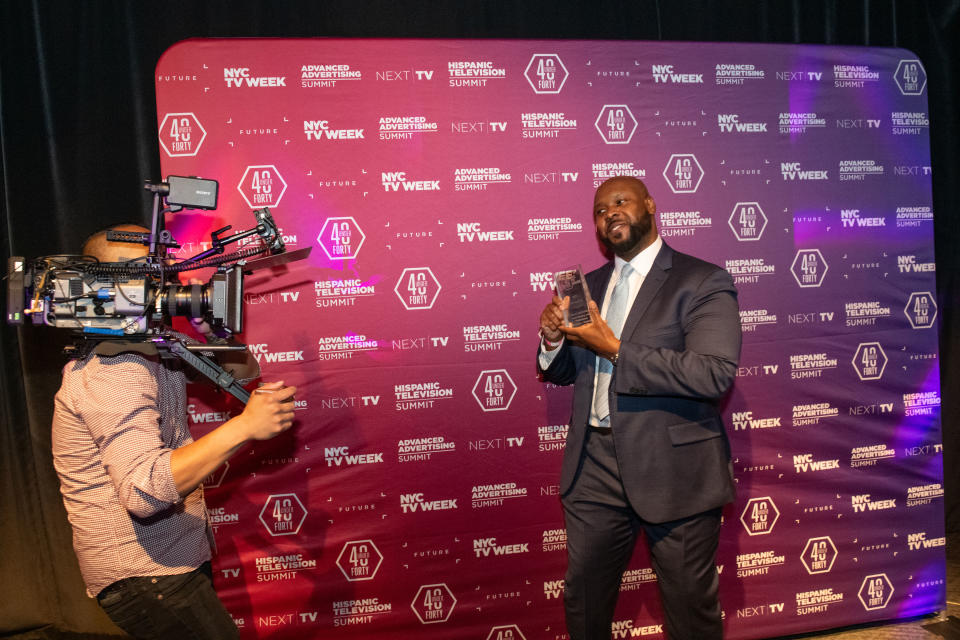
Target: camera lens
pixel 185 300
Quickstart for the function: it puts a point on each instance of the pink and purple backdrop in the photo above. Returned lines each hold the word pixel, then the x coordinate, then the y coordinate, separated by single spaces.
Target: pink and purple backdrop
pixel 440 184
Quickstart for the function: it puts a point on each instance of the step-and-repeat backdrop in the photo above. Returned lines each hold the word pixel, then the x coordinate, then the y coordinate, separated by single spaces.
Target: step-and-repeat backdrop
pixel 440 184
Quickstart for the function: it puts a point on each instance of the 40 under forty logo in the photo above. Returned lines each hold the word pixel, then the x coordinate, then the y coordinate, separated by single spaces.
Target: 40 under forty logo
pixel 911 77
pixel 433 603
pixel 819 555
pixel 683 173
pixel 341 238
pixel 546 73
pixel 616 124
pixel 494 390
pixel 809 268
pixel 875 591
pixel 262 186
pixel 283 514
pixel 506 632
pixel 417 288
pixel 869 361
pixel 181 134
pixel 921 310
pixel 359 560
pixel 759 516
pixel 747 221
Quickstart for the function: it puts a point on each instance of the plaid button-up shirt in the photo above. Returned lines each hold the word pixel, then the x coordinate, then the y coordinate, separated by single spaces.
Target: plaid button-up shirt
pixel 116 421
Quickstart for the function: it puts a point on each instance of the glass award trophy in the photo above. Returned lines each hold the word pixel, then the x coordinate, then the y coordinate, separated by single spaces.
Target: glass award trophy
pixel 570 282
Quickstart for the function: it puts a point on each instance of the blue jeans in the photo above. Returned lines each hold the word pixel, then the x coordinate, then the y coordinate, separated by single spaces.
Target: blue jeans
pixel 178 607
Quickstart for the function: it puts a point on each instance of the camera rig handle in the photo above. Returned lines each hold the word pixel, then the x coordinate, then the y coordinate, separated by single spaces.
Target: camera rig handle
pixel 208 367
pixel 266 228
pixel 169 347
pixel 216 245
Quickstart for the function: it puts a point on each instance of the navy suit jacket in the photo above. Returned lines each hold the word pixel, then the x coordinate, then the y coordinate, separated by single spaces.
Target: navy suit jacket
pixel 679 349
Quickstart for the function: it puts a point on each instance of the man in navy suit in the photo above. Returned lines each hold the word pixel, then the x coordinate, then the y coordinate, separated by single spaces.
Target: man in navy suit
pixel 646 449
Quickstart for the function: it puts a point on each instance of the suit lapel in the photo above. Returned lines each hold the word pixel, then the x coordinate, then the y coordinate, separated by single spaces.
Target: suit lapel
pixel 599 283
pixel 648 290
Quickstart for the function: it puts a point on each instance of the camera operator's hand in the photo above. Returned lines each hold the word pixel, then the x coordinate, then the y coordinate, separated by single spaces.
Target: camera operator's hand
pixel 269 411
pixel 202 327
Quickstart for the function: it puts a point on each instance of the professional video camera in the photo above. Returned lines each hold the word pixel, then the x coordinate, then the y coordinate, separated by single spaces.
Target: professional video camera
pixel 127 306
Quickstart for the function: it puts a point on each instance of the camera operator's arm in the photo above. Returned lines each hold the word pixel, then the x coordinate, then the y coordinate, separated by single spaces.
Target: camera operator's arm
pixel 121 411
pixel 268 413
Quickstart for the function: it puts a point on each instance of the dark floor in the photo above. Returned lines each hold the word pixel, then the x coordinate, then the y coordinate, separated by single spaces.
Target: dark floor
pixel 945 626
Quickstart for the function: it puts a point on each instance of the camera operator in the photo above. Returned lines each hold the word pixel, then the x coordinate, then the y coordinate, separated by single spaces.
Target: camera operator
pixel 130 475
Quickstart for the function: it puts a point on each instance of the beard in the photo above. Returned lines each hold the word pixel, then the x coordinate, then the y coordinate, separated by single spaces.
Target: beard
pixel 638 233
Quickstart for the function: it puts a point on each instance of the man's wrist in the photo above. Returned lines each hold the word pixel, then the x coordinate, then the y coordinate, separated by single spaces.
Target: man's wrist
pixel 552 344
pixel 614 357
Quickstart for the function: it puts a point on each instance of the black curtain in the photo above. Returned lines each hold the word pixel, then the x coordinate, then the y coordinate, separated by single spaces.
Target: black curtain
pixel 78 138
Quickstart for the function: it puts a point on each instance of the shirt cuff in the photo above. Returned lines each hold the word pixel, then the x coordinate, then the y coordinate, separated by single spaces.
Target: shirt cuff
pixel 546 357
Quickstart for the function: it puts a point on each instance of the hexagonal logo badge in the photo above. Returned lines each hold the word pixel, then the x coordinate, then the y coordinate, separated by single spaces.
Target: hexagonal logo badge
pixel 215 479
pixel 616 124
pixel 921 310
pixel 819 555
pixel 181 134
pixel 809 268
pixel 341 238
pixel 747 221
pixel 911 77
pixel 359 560
pixel 433 603
pixel 875 592
pixel 417 288
pixel 869 361
pixel 759 516
pixel 683 173
pixel 506 632
pixel 546 73
pixel 494 390
pixel 283 514
pixel 262 186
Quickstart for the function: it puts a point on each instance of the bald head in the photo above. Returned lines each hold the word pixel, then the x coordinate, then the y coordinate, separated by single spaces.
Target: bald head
pixel 626 181
pixel 104 250
pixel 623 213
